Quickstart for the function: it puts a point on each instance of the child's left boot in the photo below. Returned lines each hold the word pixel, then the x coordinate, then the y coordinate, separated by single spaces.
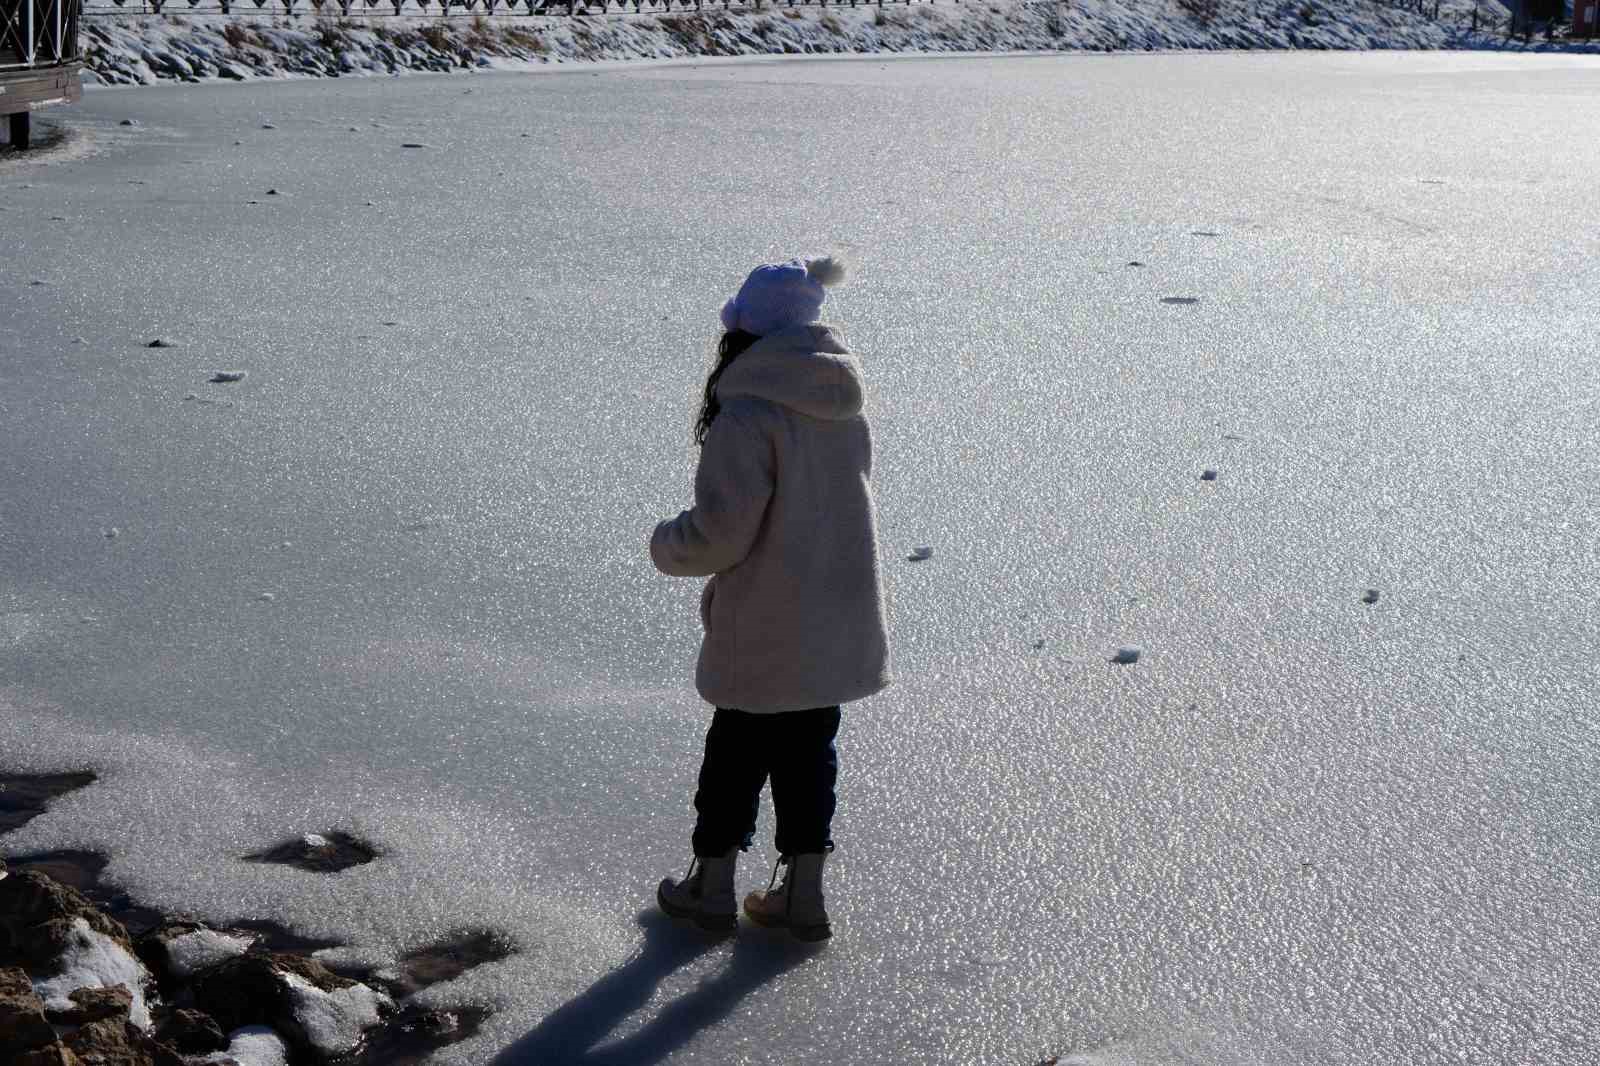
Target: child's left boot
pixel 797 904
pixel 705 894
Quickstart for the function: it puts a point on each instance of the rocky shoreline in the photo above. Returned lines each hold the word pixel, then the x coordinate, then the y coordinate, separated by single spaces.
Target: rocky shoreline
pixel 195 46
pixel 89 976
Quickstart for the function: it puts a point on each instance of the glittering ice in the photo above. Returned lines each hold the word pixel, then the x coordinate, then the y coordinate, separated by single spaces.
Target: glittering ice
pixel 1307 831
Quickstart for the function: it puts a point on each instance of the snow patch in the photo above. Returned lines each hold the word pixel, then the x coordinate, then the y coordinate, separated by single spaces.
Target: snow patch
pixel 94 960
pixel 254 1045
pixel 192 952
pixel 334 1021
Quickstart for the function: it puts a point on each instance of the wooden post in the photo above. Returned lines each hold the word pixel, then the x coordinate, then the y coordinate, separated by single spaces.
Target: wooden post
pixel 21 131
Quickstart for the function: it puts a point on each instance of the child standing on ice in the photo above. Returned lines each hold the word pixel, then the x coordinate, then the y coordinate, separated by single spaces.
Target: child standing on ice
pixel 783 525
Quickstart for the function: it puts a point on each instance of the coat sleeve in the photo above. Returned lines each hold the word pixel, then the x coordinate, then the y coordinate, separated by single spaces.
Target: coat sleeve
pixel 731 489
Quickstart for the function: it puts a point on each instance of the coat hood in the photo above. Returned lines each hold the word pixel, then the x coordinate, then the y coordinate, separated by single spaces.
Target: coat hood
pixel 804 368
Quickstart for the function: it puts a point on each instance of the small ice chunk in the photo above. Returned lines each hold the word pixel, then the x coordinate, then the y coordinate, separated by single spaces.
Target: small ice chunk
pixel 268 126
pixel 1128 653
pixel 192 952
pixel 111 533
pixel 225 377
pixel 920 554
pixel 333 1021
pixel 127 122
pixel 254 1045
pixel 265 597
pixel 1208 475
pixel 94 960
pixel 1370 597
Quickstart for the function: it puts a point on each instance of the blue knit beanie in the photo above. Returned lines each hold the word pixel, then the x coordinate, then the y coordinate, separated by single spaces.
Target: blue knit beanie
pixel 780 295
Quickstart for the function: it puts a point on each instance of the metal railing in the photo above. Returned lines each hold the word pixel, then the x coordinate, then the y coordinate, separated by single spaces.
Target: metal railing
pixel 38 33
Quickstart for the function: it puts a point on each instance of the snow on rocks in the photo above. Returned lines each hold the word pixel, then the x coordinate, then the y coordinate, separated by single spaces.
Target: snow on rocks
pixel 187 953
pixel 333 1020
pixel 200 46
pixel 254 1045
pixel 304 1001
pixel 40 919
pixel 64 961
pixel 317 852
pixel 93 960
pixel 920 554
pixel 87 1005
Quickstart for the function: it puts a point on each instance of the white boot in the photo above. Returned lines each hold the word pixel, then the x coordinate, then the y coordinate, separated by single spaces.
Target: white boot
pixel 797 903
pixel 705 895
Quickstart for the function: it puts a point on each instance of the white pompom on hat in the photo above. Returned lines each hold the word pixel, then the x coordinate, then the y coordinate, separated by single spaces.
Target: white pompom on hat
pixel 780 295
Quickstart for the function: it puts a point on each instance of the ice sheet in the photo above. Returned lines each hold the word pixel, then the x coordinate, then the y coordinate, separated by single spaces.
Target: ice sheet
pixel 1301 829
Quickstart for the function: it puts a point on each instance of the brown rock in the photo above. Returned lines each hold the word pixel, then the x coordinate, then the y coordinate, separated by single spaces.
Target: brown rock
pixel 191 1032
pixel 53 1055
pixel 36 917
pixel 104 1043
pixel 119 1043
pixel 93 1005
pixel 22 1021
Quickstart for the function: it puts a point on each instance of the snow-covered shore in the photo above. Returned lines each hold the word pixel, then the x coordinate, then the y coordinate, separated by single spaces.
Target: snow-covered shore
pixel 148 49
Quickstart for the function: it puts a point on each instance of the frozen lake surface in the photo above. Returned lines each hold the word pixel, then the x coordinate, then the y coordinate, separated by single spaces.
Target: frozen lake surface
pixel 394 580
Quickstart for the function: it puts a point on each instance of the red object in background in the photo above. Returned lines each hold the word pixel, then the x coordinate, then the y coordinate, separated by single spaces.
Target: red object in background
pixel 1585 15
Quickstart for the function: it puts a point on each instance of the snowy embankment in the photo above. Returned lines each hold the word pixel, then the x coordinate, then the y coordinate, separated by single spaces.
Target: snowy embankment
pixel 148 49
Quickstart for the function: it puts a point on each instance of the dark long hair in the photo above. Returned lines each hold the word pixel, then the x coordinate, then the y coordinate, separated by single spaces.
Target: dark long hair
pixel 729 348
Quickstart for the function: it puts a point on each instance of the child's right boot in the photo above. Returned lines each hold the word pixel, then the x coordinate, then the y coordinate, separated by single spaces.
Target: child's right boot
pixel 705 895
pixel 797 903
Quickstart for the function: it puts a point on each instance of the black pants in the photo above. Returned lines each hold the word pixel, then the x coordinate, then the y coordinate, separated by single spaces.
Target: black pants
pixel 796 750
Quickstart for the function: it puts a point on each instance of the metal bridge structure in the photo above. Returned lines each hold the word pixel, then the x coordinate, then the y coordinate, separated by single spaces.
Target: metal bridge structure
pixel 39 61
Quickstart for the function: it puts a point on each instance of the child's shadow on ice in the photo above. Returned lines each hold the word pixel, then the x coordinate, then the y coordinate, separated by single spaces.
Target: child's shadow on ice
pixel 570 1033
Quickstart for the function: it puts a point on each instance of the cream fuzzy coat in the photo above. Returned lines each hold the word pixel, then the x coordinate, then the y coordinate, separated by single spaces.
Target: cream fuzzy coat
pixel 783 522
